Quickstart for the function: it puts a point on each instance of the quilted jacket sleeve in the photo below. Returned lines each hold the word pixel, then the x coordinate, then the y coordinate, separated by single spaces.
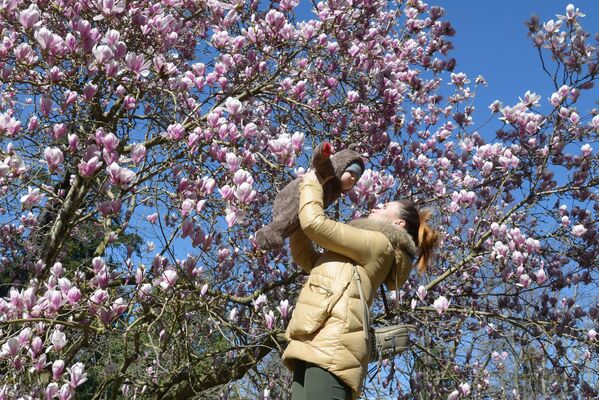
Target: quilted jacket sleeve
pixel 302 250
pixel 359 245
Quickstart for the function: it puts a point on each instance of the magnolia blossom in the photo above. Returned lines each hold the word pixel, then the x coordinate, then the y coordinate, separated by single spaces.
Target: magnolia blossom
pixel 231 218
pixel 441 304
pixel 58 340
pixel 233 106
pixel 260 301
pixel 421 292
pixel 169 278
pixel 540 275
pixel 9 125
pixel 284 308
pixel 11 347
pixel 32 198
pixel 579 230
pixel 454 395
pixel 29 17
pixel 77 375
pixel 88 168
pixel 233 314
pixel 57 369
pixel 120 176
pixel 53 157
pixel 269 320
pixel 464 389
pixel 592 334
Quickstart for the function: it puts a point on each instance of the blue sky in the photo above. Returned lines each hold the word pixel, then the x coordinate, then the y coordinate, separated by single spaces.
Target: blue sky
pixel 491 40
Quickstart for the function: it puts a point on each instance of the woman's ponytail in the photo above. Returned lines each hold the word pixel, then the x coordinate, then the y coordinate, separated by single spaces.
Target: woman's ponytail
pixel 427 240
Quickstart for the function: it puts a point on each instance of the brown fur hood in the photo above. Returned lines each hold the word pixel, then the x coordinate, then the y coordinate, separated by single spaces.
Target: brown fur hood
pixel 343 158
pixel 400 238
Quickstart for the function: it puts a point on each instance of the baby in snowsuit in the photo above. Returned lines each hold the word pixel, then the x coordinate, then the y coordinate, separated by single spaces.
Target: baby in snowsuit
pixel 339 171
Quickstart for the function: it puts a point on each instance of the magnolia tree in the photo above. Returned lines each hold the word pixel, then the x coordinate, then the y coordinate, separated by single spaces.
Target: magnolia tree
pixel 143 141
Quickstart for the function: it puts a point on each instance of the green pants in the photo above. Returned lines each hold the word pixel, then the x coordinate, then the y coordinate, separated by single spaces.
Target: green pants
pixel 314 383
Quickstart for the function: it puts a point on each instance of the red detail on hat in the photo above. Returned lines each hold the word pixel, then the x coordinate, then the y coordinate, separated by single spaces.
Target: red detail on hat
pixel 326 149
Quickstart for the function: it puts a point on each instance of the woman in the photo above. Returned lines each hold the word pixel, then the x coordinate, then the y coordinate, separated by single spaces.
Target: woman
pixel 327 350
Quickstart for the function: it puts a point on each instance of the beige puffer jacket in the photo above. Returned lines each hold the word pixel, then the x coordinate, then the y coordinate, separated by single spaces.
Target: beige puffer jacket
pixel 326 325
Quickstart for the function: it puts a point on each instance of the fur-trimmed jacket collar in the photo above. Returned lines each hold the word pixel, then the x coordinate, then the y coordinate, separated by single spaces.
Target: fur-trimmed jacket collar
pixel 400 239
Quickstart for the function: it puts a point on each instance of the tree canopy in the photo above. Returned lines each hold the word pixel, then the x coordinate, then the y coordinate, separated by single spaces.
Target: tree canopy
pixel 142 143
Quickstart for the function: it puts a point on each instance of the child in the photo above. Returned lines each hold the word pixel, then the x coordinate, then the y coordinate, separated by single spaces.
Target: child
pixel 340 172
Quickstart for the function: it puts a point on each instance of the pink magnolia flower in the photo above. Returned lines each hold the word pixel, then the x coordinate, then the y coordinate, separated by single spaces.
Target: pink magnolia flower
pixel 540 275
pixel 284 308
pixel 204 290
pixel 169 278
pixel 129 102
pixel 441 304
pixel 152 218
pixel 73 141
pixel 11 347
pixel 499 249
pixel 57 369
pixel 579 230
pixel 233 314
pixel 297 141
pixel 53 157
pixel 421 292
pixel 231 218
pixel 524 281
pixel 66 392
pixel 78 376
pixel 233 161
pixel 58 339
pixel 9 125
pixel 118 307
pixel 112 7
pixel 244 193
pixel 175 131
pixel 571 13
pixel 45 105
pixel 137 64
pixel 260 301
pixel 73 295
pixel 592 334
pixel 59 131
pixel 51 390
pixel 49 41
pixel 454 395
pixel 269 320
pixel 87 169
pixel 110 142
pixel 226 192
pixel 37 345
pixel 89 91
pixel 464 389
pixel 586 150
pixel 103 53
pixel 555 99
pixel 32 198
pixel 25 54
pixel 459 79
pixel 29 17
pixel 120 176
pixel 187 207
pixel 233 106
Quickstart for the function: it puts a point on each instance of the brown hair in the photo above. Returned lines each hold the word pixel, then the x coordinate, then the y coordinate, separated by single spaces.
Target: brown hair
pixel 425 237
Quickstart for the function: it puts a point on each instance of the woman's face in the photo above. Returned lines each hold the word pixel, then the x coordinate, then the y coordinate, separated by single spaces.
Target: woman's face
pixel 389 212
